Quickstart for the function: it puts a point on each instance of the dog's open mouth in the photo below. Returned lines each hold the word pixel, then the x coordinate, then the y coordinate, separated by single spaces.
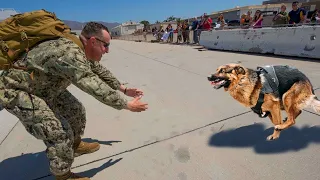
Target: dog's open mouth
pixel 217 82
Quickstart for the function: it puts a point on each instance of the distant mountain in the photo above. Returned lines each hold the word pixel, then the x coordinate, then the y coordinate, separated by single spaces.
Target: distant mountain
pixel 75 25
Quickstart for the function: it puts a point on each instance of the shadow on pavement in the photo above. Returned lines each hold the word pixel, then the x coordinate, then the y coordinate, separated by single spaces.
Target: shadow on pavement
pixel 92 172
pixel 292 139
pixel 24 167
pixel 34 166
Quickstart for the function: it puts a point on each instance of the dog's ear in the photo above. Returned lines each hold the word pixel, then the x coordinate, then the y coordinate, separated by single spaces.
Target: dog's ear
pixel 240 70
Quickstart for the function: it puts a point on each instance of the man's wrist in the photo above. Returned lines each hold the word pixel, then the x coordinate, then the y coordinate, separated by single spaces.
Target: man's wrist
pixel 122 88
pixel 126 105
pixel 125 90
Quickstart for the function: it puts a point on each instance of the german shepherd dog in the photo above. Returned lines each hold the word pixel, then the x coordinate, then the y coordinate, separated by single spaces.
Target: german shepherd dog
pixel 244 85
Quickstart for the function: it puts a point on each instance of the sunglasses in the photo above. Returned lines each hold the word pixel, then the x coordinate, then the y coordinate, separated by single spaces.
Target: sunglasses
pixel 105 44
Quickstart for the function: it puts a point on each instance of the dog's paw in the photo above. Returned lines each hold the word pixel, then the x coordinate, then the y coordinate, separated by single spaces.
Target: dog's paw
pixel 272 137
pixel 278 128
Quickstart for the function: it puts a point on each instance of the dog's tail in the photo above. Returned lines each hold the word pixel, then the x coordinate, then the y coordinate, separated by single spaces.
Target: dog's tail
pixel 314 103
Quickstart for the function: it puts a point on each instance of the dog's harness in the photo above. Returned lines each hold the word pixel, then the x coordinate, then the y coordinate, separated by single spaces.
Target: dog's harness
pixel 269 85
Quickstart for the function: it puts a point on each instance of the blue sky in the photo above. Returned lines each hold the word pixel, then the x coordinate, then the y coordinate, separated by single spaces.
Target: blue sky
pixel 125 10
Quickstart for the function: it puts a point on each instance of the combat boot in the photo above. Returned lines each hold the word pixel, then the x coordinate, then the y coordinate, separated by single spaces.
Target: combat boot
pixel 81 147
pixel 71 176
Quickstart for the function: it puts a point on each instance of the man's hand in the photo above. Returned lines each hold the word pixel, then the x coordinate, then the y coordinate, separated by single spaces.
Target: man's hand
pixel 136 105
pixel 133 92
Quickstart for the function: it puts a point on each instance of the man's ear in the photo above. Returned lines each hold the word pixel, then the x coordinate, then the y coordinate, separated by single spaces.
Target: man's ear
pixel 83 40
pixel 93 40
pixel 240 70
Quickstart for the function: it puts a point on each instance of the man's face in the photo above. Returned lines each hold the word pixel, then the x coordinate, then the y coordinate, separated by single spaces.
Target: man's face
pixel 295 6
pixel 99 45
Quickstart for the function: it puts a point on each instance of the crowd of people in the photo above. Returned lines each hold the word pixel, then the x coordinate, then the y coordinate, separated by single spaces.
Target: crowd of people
pixel 183 30
pixel 297 15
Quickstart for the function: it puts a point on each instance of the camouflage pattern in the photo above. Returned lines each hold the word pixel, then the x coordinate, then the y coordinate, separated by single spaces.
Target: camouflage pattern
pixel 43 104
pixel 105 75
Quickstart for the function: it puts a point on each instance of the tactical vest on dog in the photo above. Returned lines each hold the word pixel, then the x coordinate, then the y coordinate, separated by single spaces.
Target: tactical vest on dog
pixel 269 85
pixel 277 80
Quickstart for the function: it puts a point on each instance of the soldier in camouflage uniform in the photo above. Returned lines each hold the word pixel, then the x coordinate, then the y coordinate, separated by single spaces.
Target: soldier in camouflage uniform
pixel 48 110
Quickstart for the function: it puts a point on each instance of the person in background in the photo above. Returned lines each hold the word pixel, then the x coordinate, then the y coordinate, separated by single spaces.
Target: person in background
pixel 221 20
pixel 248 18
pixel 315 17
pixel 296 15
pixel 195 26
pixel 185 32
pixel 170 31
pixel 145 32
pixel 257 19
pixel 281 18
pixel 207 23
pixel 179 33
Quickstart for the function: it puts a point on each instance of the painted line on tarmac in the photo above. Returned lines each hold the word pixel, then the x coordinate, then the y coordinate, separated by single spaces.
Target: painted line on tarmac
pixel 153 59
pixel 9 132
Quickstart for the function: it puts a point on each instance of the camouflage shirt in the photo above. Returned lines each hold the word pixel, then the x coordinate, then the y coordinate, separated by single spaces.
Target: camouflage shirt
pixel 56 64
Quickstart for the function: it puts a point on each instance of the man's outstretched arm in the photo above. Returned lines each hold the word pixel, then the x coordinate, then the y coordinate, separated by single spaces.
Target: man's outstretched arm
pixel 111 80
pixel 73 65
pixel 106 75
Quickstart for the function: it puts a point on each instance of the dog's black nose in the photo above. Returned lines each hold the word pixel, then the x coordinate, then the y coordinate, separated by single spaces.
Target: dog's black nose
pixel 209 78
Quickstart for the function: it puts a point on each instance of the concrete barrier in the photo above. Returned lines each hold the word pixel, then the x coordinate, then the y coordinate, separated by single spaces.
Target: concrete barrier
pixel 302 41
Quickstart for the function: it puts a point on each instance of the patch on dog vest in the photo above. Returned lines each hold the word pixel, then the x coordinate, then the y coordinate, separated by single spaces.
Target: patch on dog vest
pixel 270 84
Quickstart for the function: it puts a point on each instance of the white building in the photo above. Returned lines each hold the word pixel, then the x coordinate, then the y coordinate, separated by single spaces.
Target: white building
pixel 7 12
pixel 126 28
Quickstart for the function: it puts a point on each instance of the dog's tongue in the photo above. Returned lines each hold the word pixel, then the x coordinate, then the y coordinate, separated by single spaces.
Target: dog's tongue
pixel 216 83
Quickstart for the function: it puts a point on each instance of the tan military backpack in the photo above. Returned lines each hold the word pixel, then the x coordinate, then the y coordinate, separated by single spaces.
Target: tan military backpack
pixel 19 33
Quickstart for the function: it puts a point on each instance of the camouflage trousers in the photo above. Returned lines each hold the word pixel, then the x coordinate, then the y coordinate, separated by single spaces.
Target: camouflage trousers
pixel 58 122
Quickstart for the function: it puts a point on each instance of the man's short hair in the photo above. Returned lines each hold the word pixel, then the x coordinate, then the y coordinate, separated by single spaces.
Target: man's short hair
pixel 93 29
pixel 295 2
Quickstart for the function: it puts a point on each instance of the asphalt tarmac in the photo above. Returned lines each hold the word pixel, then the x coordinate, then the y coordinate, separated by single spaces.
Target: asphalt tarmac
pixel 190 131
